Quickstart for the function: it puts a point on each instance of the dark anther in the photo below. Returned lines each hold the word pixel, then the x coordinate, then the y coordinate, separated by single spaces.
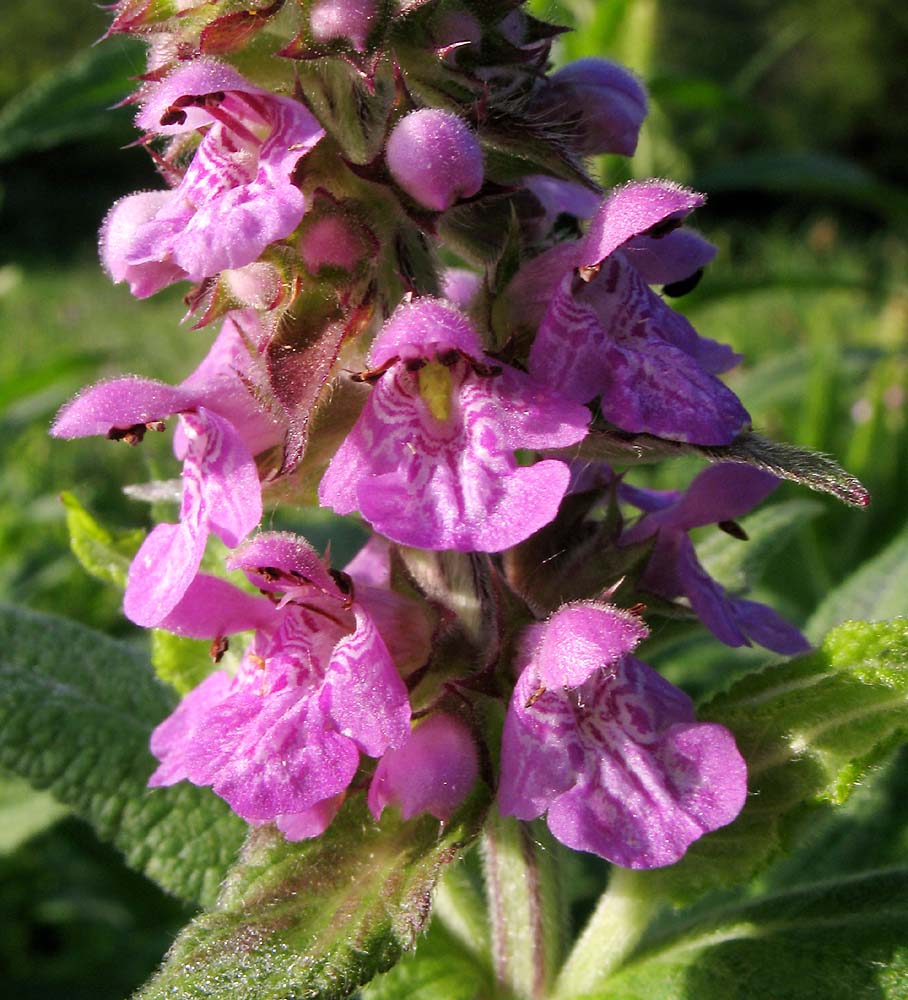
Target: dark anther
pixel 414 364
pixel 269 574
pixel 372 375
pixel 173 116
pixel 345 585
pixel 218 647
pixel 450 357
pixel 587 273
pixel 678 288
pixel 134 435
pixel 662 228
pixel 484 370
pixel 734 529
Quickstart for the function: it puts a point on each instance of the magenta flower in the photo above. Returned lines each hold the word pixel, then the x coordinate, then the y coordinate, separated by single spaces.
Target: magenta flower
pixel 603 332
pixel 614 756
pixel 280 741
pixel 345 20
pixel 221 426
pixel 719 493
pixel 430 462
pixel 236 196
pixel 435 157
pixel 432 772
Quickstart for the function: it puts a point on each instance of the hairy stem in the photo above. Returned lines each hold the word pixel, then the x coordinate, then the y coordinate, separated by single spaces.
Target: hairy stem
pixel 617 924
pixel 524 907
pixel 459 906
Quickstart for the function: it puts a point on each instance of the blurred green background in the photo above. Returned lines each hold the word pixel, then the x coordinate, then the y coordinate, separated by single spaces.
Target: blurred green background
pixel 789 113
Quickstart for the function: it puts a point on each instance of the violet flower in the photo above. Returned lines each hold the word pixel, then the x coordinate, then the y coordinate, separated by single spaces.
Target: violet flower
pixel 608 749
pixel 221 427
pixel 432 772
pixel 236 196
pixel 430 461
pixel 608 102
pixel 280 741
pixel 435 157
pixel 719 493
pixel 604 333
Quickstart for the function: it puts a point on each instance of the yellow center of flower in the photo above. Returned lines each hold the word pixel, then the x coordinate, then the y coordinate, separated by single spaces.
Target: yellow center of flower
pixel 435 389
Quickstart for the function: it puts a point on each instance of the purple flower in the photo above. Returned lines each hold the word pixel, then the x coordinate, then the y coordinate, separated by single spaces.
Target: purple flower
pixel 281 739
pixel 603 332
pixel 719 493
pixel 614 756
pixel 432 772
pixel 350 20
pixel 608 102
pixel 236 196
pixel 221 426
pixel 435 157
pixel 430 462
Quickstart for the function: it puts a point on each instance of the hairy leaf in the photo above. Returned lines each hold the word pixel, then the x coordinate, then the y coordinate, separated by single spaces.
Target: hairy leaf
pixel 809 730
pixel 877 590
pixel 76 711
pixel 24 811
pixel 842 939
pixel 318 918
pixel 101 554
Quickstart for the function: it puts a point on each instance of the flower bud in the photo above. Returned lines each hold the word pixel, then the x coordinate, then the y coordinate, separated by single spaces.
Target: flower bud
pixel 332 241
pixel 610 102
pixel 435 158
pixel 351 20
pixel 432 772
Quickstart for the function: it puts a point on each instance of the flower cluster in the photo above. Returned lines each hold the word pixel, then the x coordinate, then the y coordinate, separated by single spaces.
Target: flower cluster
pixel 304 200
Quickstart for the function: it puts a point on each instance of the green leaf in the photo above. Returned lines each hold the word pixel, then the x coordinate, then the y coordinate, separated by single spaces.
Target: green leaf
pixel 809 729
pixel 182 663
pixel 439 969
pixel 318 918
pixel 877 590
pixel 738 566
pixel 787 461
pixel 73 103
pixel 76 713
pixel 842 939
pixel 24 812
pixel 103 555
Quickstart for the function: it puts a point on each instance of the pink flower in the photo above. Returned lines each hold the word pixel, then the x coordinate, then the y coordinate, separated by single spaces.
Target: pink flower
pixel 614 756
pixel 236 196
pixel 430 461
pixel 281 740
pixel 432 772
pixel 221 427
pixel 435 157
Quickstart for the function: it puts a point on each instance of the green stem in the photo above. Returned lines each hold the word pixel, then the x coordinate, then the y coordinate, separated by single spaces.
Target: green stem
pixel 524 908
pixel 459 906
pixel 617 924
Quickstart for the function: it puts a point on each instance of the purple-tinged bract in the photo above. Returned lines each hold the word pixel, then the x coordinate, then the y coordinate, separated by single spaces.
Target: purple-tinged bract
pixel 430 462
pixel 617 762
